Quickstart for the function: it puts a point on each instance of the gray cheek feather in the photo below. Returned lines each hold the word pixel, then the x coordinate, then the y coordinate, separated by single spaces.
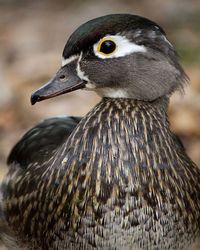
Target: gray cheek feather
pixel 153 78
pixel 142 76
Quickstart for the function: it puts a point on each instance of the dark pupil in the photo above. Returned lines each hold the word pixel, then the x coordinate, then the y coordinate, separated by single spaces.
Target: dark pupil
pixel 107 47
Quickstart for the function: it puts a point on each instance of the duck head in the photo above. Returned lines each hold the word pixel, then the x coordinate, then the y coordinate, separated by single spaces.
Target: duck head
pixel 118 56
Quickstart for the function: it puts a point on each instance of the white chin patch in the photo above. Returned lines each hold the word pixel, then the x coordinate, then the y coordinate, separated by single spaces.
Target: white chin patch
pixel 90 86
pixel 112 93
pixel 124 47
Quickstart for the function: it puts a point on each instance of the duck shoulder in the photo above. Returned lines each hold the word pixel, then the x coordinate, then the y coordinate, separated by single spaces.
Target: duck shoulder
pixel 40 142
pixel 36 146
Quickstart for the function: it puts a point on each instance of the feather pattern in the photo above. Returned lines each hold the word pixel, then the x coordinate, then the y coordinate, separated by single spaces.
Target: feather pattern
pixel 121 180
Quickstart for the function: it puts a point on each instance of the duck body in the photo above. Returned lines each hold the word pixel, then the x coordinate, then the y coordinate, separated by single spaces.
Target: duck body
pixel 117 178
pixel 119 182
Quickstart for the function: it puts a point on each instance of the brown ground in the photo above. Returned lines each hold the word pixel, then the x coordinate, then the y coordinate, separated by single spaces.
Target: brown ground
pixel 32 36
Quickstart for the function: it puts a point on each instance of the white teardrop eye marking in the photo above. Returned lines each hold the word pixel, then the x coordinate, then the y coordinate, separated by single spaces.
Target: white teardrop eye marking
pixel 116 46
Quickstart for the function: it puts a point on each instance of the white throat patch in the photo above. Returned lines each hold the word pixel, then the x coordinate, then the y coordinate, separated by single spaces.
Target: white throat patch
pixel 123 47
pixel 112 93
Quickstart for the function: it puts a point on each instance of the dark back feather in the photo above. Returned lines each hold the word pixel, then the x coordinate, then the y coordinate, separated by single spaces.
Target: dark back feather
pixel 41 141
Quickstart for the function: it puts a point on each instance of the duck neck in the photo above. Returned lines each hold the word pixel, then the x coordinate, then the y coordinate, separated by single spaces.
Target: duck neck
pixel 121 144
pixel 119 131
pixel 118 121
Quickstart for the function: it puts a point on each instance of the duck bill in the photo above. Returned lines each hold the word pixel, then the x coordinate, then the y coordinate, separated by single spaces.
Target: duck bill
pixel 64 81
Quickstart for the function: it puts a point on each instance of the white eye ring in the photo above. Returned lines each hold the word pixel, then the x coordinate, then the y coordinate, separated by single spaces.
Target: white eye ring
pixel 123 47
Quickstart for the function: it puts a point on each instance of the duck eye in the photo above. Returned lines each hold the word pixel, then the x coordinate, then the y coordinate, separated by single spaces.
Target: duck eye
pixel 107 47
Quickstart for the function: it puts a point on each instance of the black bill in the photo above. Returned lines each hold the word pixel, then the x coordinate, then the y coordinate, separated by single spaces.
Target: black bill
pixel 63 82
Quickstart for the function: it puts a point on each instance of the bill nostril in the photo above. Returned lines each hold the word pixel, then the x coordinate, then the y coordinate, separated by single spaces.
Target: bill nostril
pixel 63 77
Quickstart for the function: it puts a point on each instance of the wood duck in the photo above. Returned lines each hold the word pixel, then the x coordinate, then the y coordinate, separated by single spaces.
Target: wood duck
pixel 117 178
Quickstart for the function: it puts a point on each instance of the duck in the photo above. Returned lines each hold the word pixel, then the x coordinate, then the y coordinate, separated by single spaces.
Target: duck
pixel 117 178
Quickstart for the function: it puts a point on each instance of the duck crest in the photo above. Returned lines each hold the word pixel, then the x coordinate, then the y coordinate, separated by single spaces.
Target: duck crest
pixel 120 171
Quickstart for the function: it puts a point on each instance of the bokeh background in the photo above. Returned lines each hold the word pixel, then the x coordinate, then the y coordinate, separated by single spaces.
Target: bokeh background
pixel 32 36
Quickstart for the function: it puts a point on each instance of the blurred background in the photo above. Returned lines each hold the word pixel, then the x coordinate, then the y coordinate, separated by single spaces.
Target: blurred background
pixel 32 36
